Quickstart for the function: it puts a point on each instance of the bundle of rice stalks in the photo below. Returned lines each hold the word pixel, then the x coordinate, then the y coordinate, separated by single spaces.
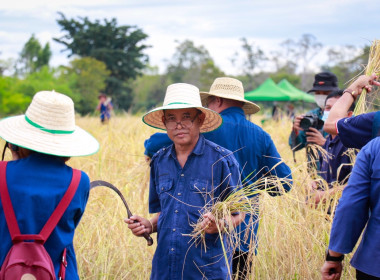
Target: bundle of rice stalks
pixel 373 67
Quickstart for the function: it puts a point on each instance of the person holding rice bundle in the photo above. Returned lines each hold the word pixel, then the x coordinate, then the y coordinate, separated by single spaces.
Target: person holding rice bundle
pixel 254 150
pixel 357 131
pixel 41 142
pixel 186 177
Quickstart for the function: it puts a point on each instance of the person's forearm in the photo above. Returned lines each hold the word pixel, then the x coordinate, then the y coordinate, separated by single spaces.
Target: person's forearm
pixel 337 112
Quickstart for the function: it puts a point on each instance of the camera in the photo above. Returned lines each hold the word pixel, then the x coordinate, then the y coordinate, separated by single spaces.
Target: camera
pixel 311 120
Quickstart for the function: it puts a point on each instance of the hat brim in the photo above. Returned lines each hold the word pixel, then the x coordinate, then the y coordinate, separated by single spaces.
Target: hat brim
pixel 323 88
pixel 18 131
pixel 248 107
pixel 154 117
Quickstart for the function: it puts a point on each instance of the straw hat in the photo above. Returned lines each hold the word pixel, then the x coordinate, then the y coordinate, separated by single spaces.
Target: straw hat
pixel 181 96
pixel 230 88
pixel 48 127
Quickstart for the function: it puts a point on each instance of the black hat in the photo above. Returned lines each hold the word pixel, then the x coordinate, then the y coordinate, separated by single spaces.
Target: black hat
pixel 325 81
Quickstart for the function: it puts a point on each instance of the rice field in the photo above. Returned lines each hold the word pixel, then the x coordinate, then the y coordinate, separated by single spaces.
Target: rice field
pixel 292 235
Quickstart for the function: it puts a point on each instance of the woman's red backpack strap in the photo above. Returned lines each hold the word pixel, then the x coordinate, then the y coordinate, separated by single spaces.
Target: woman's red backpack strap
pixel 31 257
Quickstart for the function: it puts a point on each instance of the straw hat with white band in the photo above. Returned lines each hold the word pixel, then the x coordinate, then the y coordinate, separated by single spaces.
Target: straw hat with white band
pixel 181 96
pixel 230 88
pixel 48 127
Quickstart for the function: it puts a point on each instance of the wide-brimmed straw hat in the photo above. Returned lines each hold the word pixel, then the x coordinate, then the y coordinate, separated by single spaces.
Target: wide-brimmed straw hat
pixel 48 127
pixel 182 96
pixel 230 88
pixel 325 81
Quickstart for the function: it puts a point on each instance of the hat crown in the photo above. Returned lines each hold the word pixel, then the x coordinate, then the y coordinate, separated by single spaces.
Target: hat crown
pixel 326 77
pixel 52 110
pixel 182 93
pixel 227 86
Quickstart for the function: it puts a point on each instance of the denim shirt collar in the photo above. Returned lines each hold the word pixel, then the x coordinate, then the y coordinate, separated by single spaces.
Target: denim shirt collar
pixel 198 149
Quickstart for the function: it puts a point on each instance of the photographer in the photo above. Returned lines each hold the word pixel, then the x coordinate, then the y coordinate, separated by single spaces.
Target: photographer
pixel 324 83
pixel 336 167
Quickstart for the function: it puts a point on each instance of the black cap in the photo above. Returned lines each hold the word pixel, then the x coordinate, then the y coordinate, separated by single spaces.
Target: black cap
pixel 325 81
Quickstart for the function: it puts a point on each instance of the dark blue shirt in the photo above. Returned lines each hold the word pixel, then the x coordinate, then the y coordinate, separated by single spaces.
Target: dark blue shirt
pixel 359 208
pixel 36 185
pixel 356 132
pixel 253 149
pixel 180 195
pixel 338 166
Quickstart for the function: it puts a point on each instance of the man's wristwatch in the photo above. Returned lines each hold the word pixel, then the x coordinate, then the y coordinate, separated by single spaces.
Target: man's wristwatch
pixel 330 258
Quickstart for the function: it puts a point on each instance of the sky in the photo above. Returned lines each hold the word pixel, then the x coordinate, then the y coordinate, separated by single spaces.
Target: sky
pixel 217 25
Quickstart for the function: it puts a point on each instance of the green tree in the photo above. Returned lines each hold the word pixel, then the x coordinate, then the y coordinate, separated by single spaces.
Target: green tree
pixel 33 56
pixel 119 47
pixel 11 101
pixel 192 64
pixel 87 78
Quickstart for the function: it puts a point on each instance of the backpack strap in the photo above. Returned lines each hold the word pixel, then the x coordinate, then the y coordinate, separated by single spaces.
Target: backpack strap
pixel 62 206
pixel 9 213
pixel 10 216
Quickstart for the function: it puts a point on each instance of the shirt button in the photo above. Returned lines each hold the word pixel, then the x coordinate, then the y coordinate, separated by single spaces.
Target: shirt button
pixel 182 175
pixel 173 229
pixel 203 189
pixel 172 249
pixel 162 189
pixel 179 194
pixel 176 211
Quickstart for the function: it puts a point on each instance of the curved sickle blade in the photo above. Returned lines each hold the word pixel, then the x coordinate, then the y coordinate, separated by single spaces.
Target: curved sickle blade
pixel 101 183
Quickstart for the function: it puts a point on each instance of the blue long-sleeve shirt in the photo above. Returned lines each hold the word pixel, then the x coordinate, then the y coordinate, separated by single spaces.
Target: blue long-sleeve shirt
pixel 253 149
pixel 358 210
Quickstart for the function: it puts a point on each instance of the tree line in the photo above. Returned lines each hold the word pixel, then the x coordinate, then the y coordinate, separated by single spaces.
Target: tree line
pixel 110 58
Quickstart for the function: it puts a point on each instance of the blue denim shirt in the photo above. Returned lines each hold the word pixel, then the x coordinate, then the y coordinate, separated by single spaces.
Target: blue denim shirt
pixel 253 149
pixel 358 210
pixel 339 166
pixel 180 194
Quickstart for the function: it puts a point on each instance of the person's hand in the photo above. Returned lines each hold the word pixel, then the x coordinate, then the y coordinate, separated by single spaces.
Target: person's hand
pixel 314 136
pixel 296 123
pixel 209 223
pixel 363 82
pixel 139 225
pixel 331 270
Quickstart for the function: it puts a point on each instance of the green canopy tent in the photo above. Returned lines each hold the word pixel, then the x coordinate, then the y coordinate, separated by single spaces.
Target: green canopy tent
pixel 295 92
pixel 269 91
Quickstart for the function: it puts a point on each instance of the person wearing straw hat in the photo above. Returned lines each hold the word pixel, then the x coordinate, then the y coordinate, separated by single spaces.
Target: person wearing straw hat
pixel 252 147
pixel 105 107
pixel 186 178
pixel 355 132
pixel 41 141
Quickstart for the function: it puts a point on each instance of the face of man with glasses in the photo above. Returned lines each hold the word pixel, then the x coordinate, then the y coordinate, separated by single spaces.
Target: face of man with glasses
pixel 183 125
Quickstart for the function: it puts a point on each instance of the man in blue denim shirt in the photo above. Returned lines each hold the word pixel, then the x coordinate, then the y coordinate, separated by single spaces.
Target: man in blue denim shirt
pixel 252 147
pixel 185 177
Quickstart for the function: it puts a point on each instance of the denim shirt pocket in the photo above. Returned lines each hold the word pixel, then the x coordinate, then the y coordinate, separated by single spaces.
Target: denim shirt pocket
pixel 201 192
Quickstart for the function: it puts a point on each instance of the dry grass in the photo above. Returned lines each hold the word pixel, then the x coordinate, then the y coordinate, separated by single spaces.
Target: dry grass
pixel 292 235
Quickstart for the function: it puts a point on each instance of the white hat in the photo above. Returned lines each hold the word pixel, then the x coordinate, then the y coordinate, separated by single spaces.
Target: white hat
pixel 181 96
pixel 230 88
pixel 48 127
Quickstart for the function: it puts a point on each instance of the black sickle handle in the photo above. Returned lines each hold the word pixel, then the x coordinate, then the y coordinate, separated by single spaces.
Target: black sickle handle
pixel 99 183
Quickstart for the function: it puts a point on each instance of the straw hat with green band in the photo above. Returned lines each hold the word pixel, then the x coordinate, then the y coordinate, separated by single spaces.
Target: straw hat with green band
pixel 48 127
pixel 182 96
pixel 230 88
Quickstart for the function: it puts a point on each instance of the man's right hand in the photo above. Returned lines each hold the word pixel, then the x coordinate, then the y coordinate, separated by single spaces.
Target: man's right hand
pixel 139 225
pixel 331 270
pixel 363 82
pixel 296 123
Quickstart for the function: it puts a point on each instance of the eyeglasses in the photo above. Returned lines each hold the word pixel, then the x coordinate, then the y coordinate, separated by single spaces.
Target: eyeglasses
pixel 186 122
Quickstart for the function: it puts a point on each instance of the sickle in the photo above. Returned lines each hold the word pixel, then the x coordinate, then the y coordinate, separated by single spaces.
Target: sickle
pixel 99 183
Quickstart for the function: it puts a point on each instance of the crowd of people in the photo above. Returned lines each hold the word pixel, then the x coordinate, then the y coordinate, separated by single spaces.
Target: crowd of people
pixel 209 151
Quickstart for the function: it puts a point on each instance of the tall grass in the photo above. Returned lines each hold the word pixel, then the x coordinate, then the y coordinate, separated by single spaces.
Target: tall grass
pixel 292 235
